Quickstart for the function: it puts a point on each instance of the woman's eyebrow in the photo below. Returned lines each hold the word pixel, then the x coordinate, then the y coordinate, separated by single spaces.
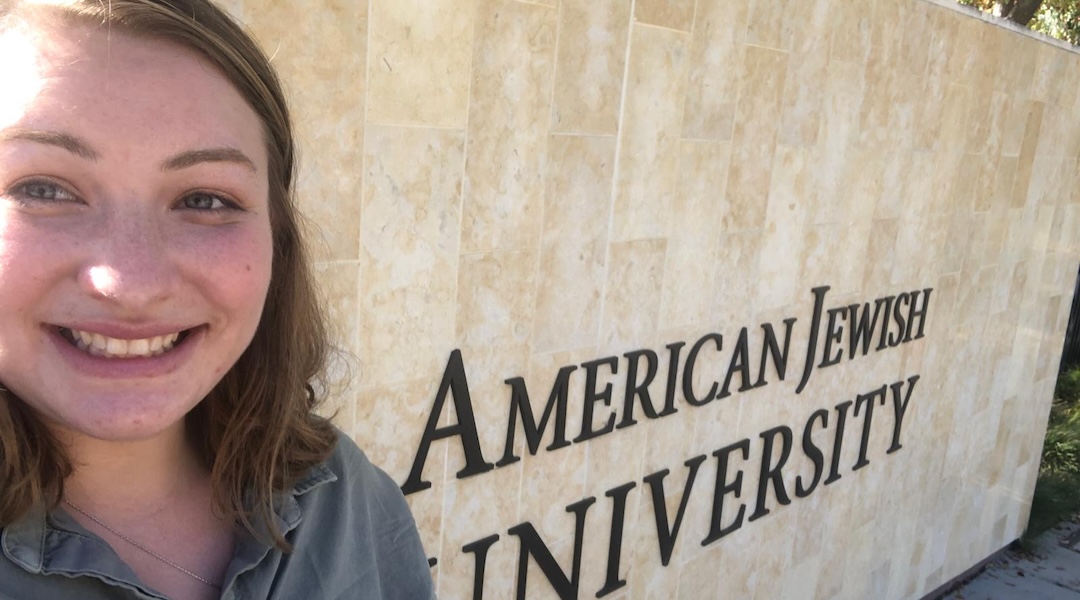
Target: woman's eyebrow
pixel 83 150
pixel 66 141
pixel 191 158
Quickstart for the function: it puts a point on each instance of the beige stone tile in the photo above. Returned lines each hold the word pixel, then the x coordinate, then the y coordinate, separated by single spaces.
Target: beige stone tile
pixel 1004 180
pixel 1016 123
pixel 820 264
pixel 844 90
pixel 1050 65
pixel 595 547
pixel 543 503
pixel 878 98
pixel 389 424
pixel 956 118
pixel 737 268
pixel 329 178
pixel 574 242
pixel 790 196
pixel 1028 144
pixel 765 24
pixel 673 14
pixel 919 243
pixel 420 58
pixel 494 309
pixel 881 254
pixel 802 104
pixel 481 506
pixel 694 213
pixel 632 294
pixel 589 67
pixel 718 43
pixel 648 148
pixel 851 32
pixel 913 50
pixel 513 64
pixel 1018 73
pixel 963 57
pixel 1070 80
pixel 987 133
pixel 862 185
pixel 700 578
pixel 888 30
pixel 754 138
pixel 409 243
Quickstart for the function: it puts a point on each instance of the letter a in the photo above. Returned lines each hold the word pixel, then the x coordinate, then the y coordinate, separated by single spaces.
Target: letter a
pixel 453 380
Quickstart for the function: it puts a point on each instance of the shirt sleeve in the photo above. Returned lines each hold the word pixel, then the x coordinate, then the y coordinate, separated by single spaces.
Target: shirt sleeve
pixel 402 567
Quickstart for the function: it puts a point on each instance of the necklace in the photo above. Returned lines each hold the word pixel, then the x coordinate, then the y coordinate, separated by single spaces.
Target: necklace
pixel 141 547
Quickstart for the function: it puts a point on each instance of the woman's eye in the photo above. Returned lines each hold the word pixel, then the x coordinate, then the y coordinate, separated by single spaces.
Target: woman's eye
pixel 44 191
pixel 205 201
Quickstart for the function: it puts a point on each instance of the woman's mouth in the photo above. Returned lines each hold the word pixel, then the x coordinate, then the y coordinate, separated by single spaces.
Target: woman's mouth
pixel 96 344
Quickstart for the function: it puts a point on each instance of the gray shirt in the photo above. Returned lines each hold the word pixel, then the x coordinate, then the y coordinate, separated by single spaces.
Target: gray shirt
pixel 352 534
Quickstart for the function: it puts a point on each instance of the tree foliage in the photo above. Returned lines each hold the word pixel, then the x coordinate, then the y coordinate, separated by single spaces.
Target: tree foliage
pixel 1056 18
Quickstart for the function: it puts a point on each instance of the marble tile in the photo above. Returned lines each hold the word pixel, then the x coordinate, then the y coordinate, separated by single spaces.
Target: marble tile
pixel 513 62
pixel 851 33
pixel 419 54
pixel 475 513
pixel 632 295
pixel 765 25
pixel 737 268
pixel 574 242
pixel 754 138
pixel 790 196
pixel 672 14
pixel 589 66
pixel 844 87
pixel 494 309
pixel 648 155
pixel 409 244
pixel 329 175
pixel 382 414
pixel 1026 153
pixel 693 240
pixel 802 104
pixel 716 49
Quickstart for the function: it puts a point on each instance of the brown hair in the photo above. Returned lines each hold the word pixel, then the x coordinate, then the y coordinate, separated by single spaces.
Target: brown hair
pixel 256 428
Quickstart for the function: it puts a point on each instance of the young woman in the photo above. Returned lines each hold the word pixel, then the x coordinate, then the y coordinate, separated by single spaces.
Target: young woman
pixel 159 337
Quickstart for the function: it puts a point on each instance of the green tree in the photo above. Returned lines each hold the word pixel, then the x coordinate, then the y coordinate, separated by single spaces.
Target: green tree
pixel 1056 18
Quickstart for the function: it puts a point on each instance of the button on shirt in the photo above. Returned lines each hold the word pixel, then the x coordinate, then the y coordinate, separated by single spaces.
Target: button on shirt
pixel 352 534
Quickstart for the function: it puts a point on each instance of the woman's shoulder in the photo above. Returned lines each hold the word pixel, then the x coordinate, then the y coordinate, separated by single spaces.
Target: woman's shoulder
pixel 352 508
pixel 351 465
pixel 356 483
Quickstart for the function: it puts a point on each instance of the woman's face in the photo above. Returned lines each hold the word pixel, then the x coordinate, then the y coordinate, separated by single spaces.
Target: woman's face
pixel 135 243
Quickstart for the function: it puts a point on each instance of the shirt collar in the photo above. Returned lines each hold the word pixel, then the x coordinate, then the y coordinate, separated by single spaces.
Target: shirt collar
pixel 36 541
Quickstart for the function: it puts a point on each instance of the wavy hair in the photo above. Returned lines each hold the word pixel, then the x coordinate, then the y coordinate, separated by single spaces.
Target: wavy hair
pixel 256 430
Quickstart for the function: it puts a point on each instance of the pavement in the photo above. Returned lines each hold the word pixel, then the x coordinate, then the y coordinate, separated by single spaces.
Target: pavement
pixel 1051 571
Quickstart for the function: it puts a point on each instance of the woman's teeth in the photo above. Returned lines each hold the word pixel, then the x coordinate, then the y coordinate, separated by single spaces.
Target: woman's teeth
pixel 100 345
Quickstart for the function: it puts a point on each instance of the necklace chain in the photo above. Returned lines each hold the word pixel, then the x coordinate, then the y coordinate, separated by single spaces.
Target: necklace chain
pixel 141 547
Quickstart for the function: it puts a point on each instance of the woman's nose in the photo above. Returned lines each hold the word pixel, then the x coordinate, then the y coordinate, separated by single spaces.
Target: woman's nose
pixel 130 264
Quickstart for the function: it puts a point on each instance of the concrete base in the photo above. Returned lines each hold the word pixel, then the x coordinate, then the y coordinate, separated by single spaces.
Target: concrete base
pixel 1050 572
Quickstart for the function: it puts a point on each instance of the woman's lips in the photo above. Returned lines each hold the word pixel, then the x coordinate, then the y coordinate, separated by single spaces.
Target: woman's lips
pixel 98 344
pixel 132 358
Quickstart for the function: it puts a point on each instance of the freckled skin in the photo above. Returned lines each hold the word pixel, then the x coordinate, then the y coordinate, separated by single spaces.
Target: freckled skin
pixel 136 103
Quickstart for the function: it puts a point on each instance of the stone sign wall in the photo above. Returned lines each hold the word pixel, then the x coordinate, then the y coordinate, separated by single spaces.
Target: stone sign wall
pixel 690 299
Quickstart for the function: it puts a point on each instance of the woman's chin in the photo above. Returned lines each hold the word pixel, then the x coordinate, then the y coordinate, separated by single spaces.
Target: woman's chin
pixel 120 424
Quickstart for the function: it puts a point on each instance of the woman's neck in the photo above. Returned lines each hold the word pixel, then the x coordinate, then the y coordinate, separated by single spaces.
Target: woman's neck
pixel 137 477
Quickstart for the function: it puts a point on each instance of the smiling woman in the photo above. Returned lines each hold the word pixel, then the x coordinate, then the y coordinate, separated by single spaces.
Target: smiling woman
pixel 160 340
